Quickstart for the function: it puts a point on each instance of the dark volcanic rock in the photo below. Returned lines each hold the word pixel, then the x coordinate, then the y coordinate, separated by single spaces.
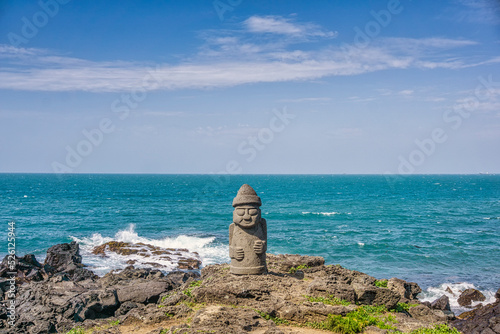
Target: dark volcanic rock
pixel 329 287
pixel 469 296
pixel 407 290
pixel 180 277
pixel 372 295
pixel 63 260
pixel 148 254
pixel 483 319
pixel 142 286
pixel 143 292
pixel 217 301
pixel 27 268
pixel 284 262
pixel 442 303
pixel 61 256
pixel 125 308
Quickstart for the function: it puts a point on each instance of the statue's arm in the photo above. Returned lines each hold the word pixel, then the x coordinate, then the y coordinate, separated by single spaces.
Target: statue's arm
pixel 231 248
pixel 264 232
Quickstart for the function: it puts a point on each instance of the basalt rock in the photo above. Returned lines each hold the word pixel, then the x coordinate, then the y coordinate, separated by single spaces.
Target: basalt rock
pixel 406 290
pixel 318 292
pixel 297 289
pixel 484 319
pixel 62 260
pixel 147 254
pixel 469 296
pixel 61 256
pixel 442 303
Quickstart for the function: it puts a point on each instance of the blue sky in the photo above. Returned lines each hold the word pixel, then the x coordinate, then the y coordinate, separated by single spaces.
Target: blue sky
pixel 232 86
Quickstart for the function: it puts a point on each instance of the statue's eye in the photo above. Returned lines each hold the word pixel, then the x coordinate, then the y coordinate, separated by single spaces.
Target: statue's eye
pixel 240 212
pixel 253 212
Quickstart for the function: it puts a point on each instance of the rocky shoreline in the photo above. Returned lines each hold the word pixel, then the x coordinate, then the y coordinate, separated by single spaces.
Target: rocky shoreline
pixel 299 294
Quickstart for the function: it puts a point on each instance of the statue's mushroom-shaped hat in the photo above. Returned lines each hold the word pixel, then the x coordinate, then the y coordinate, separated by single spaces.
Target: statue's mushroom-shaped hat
pixel 246 195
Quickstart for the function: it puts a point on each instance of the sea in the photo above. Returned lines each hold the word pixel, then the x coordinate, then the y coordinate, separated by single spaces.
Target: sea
pixel 440 231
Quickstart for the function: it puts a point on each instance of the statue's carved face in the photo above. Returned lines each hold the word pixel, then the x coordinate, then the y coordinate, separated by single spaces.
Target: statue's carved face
pixel 246 216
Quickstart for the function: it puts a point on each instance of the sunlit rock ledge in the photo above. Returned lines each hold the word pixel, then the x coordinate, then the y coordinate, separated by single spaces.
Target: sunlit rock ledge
pixel 299 294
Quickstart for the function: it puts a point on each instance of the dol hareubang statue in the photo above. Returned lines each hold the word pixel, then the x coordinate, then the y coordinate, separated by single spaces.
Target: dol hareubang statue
pixel 247 234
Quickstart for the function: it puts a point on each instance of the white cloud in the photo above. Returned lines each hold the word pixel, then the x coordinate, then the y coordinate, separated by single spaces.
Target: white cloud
pixel 406 92
pixel 40 71
pixel 479 11
pixel 306 99
pixel 282 26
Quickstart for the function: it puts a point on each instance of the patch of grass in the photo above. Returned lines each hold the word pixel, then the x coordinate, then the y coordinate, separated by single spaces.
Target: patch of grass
pixel 192 285
pixel 195 283
pixel 113 323
pixel 330 300
pixel 192 304
pixel 76 330
pixel 80 330
pixel 170 315
pixel 438 329
pixel 293 270
pixel 356 321
pixel 403 307
pixel 188 293
pixel 277 321
pixel 382 283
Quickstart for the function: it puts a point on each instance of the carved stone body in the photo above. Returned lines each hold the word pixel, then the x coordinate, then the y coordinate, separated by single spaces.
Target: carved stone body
pixel 247 234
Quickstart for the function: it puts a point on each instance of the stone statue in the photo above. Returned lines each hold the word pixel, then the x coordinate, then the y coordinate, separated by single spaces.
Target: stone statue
pixel 247 234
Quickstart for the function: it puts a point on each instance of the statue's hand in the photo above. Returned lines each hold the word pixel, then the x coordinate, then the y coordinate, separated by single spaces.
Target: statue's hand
pixel 259 246
pixel 240 253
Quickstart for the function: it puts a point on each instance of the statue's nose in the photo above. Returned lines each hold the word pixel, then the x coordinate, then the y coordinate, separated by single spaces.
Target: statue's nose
pixel 247 216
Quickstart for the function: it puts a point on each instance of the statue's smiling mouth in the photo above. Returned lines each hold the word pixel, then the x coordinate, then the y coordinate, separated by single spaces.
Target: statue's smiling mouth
pixel 247 223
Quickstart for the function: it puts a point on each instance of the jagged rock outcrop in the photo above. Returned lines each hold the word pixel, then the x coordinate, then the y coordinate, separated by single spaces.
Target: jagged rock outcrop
pixel 470 295
pixel 484 319
pixel 62 260
pixel 298 290
pixel 442 303
pixel 406 290
pixel 150 255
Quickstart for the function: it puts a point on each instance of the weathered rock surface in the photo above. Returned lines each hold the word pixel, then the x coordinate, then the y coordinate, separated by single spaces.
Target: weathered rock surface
pixel 484 319
pixel 406 290
pixel 442 303
pixel 61 256
pixel 151 256
pixel 286 293
pixel 297 290
pixel 470 295
pixel 62 260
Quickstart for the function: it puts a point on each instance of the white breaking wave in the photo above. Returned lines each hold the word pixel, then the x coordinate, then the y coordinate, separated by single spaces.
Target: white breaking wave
pixel 321 213
pixel 433 293
pixel 208 251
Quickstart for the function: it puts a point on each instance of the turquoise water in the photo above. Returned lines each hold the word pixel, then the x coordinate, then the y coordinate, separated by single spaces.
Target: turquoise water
pixel 430 229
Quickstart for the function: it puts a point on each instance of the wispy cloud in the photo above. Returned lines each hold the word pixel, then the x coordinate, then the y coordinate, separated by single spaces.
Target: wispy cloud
pixel 38 70
pixel 283 26
pixel 406 92
pixel 306 99
pixel 479 11
pixel 163 113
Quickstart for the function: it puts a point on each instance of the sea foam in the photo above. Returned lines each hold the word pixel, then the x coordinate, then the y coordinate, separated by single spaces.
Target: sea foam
pixel 321 213
pixel 208 251
pixel 433 293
